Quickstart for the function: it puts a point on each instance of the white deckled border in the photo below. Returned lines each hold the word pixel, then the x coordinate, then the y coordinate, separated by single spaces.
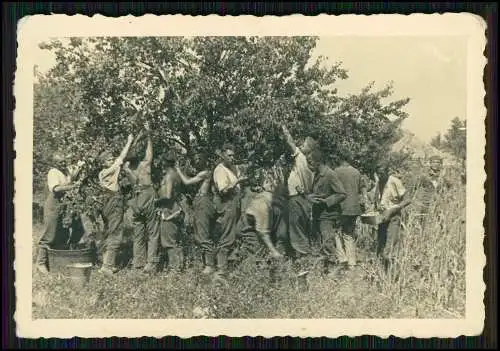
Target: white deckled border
pixel 34 29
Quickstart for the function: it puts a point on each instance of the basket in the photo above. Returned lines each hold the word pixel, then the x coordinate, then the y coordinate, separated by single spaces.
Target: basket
pixel 60 259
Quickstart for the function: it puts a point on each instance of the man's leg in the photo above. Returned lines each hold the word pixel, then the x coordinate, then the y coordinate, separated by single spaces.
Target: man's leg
pixel 393 243
pixel 299 226
pixel 52 224
pixel 203 226
pixel 349 239
pixel 331 245
pixel 169 238
pixel 113 217
pixel 227 233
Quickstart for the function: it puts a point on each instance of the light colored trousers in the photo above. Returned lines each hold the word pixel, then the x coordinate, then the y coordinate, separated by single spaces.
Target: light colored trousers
pixel 338 238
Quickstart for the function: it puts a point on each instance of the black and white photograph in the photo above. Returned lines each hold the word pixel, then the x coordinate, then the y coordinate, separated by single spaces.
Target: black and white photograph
pixel 334 175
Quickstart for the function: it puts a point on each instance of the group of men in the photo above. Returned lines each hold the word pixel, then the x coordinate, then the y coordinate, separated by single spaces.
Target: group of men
pixel 315 207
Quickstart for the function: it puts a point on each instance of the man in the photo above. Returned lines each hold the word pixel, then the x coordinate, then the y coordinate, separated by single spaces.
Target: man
pixel 114 206
pixel 390 197
pixel 430 185
pixel 204 212
pixel 328 193
pixel 263 221
pixel 227 204
pixel 56 235
pixel 345 241
pixel 170 215
pixel 146 235
pixel 300 182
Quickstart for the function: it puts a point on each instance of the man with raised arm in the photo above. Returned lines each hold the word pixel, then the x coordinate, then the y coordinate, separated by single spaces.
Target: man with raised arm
pixel 114 206
pixel 228 207
pixel 146 235
pixel 300 183
pixel 204 212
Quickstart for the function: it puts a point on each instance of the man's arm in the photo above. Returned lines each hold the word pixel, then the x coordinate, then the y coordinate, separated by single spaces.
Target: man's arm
pixel 130 174
pixel 289 139
pixel 192 180
pixel 148 157
pixel 339 193
pixel 107 171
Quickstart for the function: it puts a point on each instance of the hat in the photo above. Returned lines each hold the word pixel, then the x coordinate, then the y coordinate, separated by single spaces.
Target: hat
pixel 435 158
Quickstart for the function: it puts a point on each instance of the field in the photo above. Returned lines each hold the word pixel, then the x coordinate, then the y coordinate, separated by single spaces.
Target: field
pixel 431 284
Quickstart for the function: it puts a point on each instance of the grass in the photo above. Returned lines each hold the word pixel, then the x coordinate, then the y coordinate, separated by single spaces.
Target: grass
pixel 431 284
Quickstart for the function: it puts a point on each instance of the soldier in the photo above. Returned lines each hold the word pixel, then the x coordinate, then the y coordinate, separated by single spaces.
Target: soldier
pixel 299 182
pixel 204 212
pixel 61 178
pixel 146 235
pixel 114 206
pixel 351 209
pixel 227 181
pixel 326 197
pixel 170 215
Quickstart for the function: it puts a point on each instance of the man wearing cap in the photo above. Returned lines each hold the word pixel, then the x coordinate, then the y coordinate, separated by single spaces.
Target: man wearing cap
pixel 114 206
pixel 170 214
pixel 326 197
pixel 227 181
pixel 300 181
pixel 60 180
pixel 146 235
pixel 390 197
pixel 204 211
pixel 345 241
pixel 429 186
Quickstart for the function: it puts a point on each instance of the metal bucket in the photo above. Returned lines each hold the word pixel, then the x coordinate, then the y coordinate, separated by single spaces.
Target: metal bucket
pixel 80 273
pixel 59 260
pixel 302 283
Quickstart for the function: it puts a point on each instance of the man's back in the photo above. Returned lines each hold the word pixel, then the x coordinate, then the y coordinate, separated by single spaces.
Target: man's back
pixel 351 180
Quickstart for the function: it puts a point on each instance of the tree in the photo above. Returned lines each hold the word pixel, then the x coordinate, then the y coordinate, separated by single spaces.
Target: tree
pixel 202 92
pixel 455 139
pixel 437 141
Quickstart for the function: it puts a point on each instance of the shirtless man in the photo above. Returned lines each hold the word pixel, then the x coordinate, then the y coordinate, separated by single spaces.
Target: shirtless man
pixel 204 212
pixel 146 235
pixel 170 215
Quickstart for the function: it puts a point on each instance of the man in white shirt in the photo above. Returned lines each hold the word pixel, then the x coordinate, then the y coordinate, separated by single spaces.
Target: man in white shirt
pixel 390 197
pixel 55 235
pixel 227 203
pixel 300 182
pixel 114 206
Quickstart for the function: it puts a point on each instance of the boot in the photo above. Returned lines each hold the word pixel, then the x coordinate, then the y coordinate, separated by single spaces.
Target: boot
pixel 108 262
pixel 175 259
pixel 208 263
pixel 221 272
pixel 41 261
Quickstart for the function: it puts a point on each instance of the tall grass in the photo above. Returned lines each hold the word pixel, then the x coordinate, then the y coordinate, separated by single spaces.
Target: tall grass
pixel 428 282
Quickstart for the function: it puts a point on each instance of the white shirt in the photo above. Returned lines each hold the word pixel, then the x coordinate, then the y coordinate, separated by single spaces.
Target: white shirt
pixel 108 177
pixel 224 178
pixel 391 195
pixel 301 177
pixel 55 177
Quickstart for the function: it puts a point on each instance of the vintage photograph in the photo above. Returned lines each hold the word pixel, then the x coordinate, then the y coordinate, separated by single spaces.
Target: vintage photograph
pixel 251 176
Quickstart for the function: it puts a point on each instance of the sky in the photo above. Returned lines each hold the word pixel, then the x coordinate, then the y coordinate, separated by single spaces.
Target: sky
pixel 431 71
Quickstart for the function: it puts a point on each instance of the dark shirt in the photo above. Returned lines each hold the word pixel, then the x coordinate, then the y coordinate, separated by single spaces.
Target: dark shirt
pixel 328 186
pixel 352 181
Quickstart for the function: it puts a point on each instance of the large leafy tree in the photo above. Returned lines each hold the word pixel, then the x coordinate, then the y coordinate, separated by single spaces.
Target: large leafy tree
pixel 202 92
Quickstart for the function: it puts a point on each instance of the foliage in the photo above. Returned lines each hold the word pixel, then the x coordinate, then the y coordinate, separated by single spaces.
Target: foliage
pixel 454 140
pixel 200 93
